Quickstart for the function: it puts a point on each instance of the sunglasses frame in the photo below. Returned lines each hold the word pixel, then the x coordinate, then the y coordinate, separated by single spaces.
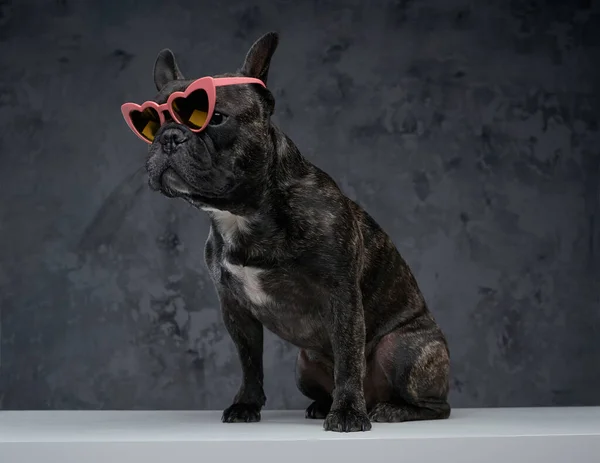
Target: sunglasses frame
pixel 208 84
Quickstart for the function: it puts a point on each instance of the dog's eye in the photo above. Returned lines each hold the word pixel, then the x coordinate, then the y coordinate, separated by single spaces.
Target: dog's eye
pixel 217 119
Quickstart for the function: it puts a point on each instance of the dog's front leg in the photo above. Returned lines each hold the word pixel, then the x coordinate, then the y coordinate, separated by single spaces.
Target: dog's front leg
pixel 347 335
pixel 247 334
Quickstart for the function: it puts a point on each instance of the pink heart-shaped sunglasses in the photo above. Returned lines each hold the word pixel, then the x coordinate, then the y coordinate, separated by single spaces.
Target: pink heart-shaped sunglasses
pixel 194 107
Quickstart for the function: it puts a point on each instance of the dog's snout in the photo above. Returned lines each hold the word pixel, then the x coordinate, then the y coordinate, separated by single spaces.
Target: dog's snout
pixel 170 139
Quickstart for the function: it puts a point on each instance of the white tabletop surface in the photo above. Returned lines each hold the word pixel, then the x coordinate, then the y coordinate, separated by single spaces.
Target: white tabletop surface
pixel 139 426
pixel 470 435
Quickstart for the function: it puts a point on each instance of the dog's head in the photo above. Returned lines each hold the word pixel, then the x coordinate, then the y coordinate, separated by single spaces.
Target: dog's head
pixel 225 164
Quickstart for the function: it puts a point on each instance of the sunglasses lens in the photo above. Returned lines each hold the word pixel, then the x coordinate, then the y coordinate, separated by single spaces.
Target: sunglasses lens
pixel 146 122
pixel 192 110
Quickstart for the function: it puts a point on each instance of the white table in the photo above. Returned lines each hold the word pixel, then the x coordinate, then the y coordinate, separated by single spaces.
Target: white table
pixel 471 435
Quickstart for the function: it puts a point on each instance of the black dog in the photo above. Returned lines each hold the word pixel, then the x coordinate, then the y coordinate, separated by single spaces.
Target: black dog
pixel 289 252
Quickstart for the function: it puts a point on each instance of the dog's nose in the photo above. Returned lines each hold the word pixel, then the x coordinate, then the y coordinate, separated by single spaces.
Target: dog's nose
pixel 170 139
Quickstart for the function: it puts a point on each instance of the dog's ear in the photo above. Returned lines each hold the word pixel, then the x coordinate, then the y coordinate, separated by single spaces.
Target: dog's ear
pixel 259 57
pixel 166 69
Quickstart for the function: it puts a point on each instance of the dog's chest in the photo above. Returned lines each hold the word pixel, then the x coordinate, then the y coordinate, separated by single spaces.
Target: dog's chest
pixel 244 280
pixel 273 298
pixel 271 294
pixel 249 281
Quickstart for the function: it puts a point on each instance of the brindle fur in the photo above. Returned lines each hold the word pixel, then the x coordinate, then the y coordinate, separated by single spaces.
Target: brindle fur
pixel 288 251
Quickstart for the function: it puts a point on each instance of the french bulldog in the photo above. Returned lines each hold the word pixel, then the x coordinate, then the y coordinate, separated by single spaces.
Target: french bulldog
pixel 288 251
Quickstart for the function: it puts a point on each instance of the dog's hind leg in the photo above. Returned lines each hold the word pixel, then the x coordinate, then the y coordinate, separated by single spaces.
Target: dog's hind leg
pixel 414 361
pixel 315 380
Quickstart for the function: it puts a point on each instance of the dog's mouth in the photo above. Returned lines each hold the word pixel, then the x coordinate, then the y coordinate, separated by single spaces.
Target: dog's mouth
pixel 173 184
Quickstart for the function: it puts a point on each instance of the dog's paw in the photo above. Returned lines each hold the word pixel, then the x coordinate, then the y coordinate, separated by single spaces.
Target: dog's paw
pixel 384 413
pixel 347 420
pixel 317 410
pixel 241 413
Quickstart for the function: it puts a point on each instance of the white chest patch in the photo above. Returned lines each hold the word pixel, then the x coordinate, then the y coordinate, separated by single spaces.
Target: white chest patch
pixel 228 224
pixel 250 279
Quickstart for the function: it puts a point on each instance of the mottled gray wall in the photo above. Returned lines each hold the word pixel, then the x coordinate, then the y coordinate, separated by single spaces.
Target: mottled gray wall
pixel 469 130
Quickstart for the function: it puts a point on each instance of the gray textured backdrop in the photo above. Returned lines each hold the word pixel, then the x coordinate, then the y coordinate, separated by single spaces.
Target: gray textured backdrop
pixel 468 129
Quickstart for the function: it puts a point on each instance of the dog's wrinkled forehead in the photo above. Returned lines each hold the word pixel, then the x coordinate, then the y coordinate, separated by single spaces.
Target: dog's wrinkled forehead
pixel 170 87
pixel 231 99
